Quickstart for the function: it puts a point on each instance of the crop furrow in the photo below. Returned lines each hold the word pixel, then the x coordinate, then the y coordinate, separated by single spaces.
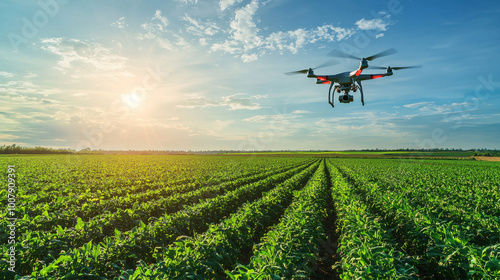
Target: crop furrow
pixel 441 249
pixel 291 248
pixel 118 216
pixel 367 248
pixel 89 203
pixel 125 248
pixel 209 254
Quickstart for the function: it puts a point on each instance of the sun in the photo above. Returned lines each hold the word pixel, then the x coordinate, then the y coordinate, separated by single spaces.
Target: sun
pixel 132 100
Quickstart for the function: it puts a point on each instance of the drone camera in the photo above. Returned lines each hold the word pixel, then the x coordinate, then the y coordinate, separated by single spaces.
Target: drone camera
pixel 346 98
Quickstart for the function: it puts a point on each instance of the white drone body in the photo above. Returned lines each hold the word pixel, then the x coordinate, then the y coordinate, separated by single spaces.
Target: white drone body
pixel 349 81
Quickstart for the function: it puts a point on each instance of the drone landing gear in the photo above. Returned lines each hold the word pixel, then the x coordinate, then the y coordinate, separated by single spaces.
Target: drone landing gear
pixel 361 91
pixel 330 99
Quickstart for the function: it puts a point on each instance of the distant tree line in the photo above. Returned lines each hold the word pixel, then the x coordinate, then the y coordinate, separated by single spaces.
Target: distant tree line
pixel 14 149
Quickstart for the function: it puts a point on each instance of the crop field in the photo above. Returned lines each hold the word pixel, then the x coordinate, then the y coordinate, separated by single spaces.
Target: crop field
pixel 248 217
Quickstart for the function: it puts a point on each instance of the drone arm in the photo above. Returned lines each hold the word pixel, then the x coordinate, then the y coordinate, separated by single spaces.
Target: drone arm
pixel 330 99
pixel 361 91
pixel 364 77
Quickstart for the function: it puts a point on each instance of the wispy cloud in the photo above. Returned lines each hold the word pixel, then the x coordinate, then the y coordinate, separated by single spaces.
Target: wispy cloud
pixel 234 102
pixel 372 24
pixel 6 74
pixel 247 41
pixel 155 30
pixel 77 55
pixel 158 24
pixel 283 117
pixel 224 4
pixel 200 28
pixel 418 104
pixel 120 23
pixel 377 24
pixel 187 1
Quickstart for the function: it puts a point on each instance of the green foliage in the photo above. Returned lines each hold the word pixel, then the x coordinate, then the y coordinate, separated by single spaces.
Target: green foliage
pixel 251 217
pixel 14 149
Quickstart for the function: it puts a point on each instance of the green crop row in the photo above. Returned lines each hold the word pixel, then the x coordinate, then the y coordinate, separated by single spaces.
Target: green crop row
pixel 367 251
pixel 251 217
pixel 94 182
pixel 439 246
pixel 208 255
pixel 290 250
pixel 125 248
pixel 131 210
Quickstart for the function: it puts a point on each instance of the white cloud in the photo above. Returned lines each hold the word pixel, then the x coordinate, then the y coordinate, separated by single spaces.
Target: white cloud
pixel 79 55
pixel 447 108
pixel 234 102
pixel 156 29
pixel 6 74
pixel 243 27
pixel 301 112
pixel 281 118
pixel 24 87
pixel 379 35
pixel 181 42
pixel 199 102
pixel 259 96
pixel 251 46
pixel 418 104
pixel 373 24
pixel 199 28
pixel 297 39
pixel 249 57
pixel 157 25
pixel 120 23
pixel 331 33
pixel 247 41
pixel 224 4
pixel 379 24
pixel 187 1
pixel 227 47
pixel 448 111
pixel 8 137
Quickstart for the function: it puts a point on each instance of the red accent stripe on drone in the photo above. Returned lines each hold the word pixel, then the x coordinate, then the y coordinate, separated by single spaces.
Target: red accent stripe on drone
pixel 358 72
pixel 376 76
pixel 326 82
pixel 322 78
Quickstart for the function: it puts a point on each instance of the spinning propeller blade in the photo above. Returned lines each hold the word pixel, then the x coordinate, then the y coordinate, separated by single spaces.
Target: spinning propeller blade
pixel 297 72
pixel 337 53
pixel 396 68
pixel 304 71
pixel 381 54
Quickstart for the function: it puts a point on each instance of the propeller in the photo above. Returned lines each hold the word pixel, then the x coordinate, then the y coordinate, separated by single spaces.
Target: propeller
pixel 304 71
pixel 396 68
pixel 337 53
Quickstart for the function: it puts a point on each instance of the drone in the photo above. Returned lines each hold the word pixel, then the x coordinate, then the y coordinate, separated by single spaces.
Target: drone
pixel 349 81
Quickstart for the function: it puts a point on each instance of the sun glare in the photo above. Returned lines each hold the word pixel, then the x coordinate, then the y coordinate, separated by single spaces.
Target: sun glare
pixel 132 100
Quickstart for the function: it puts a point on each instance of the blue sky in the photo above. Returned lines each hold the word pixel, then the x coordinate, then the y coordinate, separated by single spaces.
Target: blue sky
pixel 208 75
